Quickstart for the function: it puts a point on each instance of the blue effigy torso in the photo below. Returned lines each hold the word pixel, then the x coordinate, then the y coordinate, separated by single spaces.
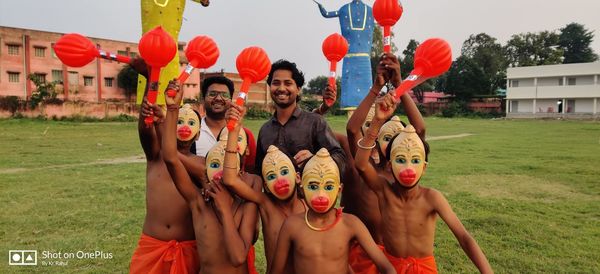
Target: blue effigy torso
pixel 356 22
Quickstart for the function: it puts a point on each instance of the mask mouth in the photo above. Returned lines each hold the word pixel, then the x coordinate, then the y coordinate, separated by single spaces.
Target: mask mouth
pixel 320 204
pixel 184 132
pixel 218 176
pixel 408 176
pixel 281 187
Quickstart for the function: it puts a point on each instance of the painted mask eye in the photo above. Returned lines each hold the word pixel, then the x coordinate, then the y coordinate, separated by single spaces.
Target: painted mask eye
pixel 387 138
pixel 367 124
pixel 415 161
pixel 180 122
pixel 400 161
pixel 329 187
pixel 313 187
pixel 271 177
pixel 239 138
pixel 215 165
pixel 285 172
pixel 191 123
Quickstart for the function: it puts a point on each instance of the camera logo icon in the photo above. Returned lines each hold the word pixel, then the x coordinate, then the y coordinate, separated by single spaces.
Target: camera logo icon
pixel 22 257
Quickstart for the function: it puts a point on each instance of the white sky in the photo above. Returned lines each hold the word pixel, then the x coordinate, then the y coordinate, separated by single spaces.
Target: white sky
pixel 294 29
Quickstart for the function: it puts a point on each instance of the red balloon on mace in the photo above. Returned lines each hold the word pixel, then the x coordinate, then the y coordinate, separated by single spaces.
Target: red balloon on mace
pixel 387 13
pixel 201 52
pixel 432 58
pixel 253 65
pixel 75 50
pixel 157 48
pixel 334 48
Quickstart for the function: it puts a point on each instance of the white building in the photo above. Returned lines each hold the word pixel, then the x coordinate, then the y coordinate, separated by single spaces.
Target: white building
pixel 568 91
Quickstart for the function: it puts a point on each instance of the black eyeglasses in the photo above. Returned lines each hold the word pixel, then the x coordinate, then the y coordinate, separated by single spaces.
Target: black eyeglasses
pixel 214 94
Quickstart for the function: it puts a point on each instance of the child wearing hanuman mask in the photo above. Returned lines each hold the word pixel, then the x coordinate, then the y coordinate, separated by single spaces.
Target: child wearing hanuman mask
pixel 409 210
pixel 319 239
pixel 279 180
pixel 224 226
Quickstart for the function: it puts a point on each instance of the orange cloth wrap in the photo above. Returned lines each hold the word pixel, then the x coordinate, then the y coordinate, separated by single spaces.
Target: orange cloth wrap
pixel 156 256
pixel 360 262
pixel 412 265
pixel 251 257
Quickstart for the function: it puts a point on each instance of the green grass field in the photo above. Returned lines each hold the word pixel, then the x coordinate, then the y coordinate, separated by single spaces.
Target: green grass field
pixel 528 191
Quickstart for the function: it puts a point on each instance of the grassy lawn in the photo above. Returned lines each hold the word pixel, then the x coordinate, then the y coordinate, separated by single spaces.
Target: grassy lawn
pixel 528 191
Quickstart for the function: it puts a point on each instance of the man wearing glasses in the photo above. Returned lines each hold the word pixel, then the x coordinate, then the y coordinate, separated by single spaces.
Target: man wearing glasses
pixel 217 92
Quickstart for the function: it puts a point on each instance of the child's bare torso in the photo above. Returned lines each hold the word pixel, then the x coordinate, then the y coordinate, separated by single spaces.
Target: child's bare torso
pixel 408 222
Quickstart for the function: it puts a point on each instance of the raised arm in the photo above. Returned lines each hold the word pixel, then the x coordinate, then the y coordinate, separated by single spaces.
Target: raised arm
pixel 231 177
pixel 149 134
pixel 383 110
pixel 178 173
pixel 360 114
pixel 325 13
pixel 329 93
pixel 284 243
pixel 195 166
pixel 391 63
pixel 466 241
pixel 362 235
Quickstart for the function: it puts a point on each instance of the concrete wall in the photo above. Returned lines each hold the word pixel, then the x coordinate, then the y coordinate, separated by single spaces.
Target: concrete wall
pixel 584 105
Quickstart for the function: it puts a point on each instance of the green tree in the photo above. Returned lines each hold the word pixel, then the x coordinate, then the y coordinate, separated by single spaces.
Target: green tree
pixel 489 56
pixel 44 91
pixel 575 41
pixel 534 49
pixel 316 85
pixel 464 79
pixel 127 79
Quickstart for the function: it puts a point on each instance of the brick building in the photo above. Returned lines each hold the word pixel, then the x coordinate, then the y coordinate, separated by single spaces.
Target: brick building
pixel 24 52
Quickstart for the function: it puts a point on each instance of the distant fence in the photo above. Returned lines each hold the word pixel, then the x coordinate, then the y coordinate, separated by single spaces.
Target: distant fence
pixel 72 108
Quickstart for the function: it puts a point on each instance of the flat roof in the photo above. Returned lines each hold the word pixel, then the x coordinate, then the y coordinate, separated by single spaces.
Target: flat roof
pixel 553 70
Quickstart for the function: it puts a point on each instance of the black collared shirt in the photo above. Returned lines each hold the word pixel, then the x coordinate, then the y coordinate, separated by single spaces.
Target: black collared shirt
pixel 304 130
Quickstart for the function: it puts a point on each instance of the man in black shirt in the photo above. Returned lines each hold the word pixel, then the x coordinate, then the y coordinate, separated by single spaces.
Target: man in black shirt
pixel 295 131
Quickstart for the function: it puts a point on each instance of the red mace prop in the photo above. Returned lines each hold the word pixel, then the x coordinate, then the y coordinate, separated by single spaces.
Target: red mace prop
pixel 157 48
pixel 432 58
pixel 253 65
pixel 202 52
pixel 387 13
pixel 334 48
pixel 75 50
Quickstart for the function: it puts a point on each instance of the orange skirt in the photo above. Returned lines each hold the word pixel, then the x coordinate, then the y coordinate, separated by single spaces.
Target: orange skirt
pixel 360 262
pixel 412 265
pixel 251 257
pixel 154 256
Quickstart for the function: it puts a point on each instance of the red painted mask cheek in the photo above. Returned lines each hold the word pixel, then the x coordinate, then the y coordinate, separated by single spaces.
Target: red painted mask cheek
pixel 408 176
pixel 184 132
pixel 281 187
pixel 320 203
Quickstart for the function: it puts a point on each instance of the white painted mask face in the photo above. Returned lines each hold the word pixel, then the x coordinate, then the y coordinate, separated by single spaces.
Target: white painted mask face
pixel 407 157
pixel 387 132
pixel 321 182
pixel 188 124
pixel 278 173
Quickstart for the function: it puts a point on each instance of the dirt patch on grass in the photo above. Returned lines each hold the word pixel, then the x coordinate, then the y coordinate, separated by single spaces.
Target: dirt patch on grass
pixel 115 161
pixel 515 187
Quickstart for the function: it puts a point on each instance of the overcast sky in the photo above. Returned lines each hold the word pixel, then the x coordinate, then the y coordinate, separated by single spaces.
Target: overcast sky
pixel 294 29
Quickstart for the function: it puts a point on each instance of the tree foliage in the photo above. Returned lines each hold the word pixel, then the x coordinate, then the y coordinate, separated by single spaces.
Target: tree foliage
pixel 127 79
pixel 575 42
pixel 534 49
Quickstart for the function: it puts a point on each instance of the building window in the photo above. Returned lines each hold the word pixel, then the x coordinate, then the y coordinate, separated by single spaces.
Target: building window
pixel 52 50
pixel 57 76
pixel 13 77
pixel 133 54
pixel 88 81
pixel 122 52
pixel 514 83
pixel 108 81
pixel 73 78
pixel 571 81
pixel 13 49
pixel 40 77
pixel 39 51
pixel 560 82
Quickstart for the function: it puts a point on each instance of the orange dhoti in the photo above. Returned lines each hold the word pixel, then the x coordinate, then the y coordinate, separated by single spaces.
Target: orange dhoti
pixel 360 262
pixel 156 256
pixel 250 261
pixel 412 265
